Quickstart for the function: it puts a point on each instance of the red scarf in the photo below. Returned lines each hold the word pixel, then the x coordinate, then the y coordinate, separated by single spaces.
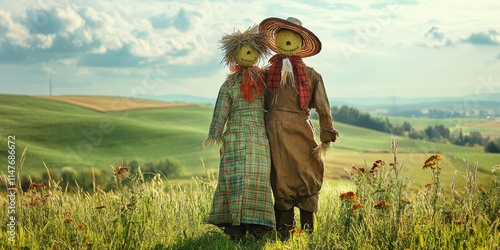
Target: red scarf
pixel 249 83
pixel 301 82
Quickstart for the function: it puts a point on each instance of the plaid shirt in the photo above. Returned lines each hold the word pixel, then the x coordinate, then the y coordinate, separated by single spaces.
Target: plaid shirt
pixel 301 82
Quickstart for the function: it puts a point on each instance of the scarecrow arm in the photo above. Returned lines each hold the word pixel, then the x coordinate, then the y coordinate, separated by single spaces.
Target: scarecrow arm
pixel 319 101
pixel 219 118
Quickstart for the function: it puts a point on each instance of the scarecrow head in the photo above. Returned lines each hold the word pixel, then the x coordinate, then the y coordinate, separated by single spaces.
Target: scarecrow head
pixel 289 38
pixel 243 48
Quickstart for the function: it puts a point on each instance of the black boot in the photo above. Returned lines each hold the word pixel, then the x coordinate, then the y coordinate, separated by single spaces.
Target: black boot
pixel 284 222
pixel 258 231
pixel 306 220
pixel 235 233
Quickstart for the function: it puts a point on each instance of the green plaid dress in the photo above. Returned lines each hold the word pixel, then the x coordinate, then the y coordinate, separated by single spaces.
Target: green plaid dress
pixel 243 194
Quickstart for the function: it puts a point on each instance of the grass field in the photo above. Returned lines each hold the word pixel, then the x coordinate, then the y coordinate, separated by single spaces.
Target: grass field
pixel 60 134
pixel 444 207
pixel 376 211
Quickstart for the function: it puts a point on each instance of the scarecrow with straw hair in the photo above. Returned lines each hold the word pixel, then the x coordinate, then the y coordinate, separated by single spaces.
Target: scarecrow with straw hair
pixel 243 197
pixel 295 89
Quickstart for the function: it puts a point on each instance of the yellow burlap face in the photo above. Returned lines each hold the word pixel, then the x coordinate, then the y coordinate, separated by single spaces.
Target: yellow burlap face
pixel 288 42
pixel 247 56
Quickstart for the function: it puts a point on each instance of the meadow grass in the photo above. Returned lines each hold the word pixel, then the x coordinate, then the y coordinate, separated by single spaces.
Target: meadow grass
pixel 374 209
pixel 62 135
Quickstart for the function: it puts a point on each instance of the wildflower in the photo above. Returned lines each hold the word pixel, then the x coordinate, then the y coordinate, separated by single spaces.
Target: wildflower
pixel 393 164
pixel 89 244
pixel 433 161
pixel 45 197
pixel 35 202
pixel 68 220
pixel 121 173
pixel 296 231
pixel 120 170
pixel 357 205
pixel 67 214
pixel 405 201
pixel 428 185
pixel 348 196
pixel 361 170
pixel 382 204
pixel 80 226
pixel 36 186
pixel 376 165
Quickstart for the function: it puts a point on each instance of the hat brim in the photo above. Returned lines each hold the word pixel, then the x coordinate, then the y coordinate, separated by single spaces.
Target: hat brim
pixel 311 44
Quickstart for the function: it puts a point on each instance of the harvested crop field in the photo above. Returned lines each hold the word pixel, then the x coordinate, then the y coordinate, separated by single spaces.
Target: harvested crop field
pixel 106 104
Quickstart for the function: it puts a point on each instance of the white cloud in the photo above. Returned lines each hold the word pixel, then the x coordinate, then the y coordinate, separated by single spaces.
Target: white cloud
pixel 113 42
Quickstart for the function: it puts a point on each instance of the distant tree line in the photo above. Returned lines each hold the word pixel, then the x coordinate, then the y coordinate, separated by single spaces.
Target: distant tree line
pixel 437 133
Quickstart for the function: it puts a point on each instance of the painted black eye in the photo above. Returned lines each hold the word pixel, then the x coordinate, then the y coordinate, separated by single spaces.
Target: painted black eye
pixel 248 52
pixel 288 43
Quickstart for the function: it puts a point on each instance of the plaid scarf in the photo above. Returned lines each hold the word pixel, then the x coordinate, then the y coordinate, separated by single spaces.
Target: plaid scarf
pixel 252 79
pixel 301 82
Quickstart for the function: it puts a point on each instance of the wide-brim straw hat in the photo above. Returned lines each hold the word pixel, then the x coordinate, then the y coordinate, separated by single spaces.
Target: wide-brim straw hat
pixel 311 45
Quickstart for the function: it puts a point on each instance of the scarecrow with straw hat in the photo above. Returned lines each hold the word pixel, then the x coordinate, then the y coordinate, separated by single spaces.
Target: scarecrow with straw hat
pixel 293 90
pixel 243 197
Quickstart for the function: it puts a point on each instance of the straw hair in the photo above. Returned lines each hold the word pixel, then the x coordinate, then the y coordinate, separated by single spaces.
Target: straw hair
pixel 311 43
pixel 232 43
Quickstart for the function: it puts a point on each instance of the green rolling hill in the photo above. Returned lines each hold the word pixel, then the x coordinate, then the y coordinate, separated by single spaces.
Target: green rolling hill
pixel 61 134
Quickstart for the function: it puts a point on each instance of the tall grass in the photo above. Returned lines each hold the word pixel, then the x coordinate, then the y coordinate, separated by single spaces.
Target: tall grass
pixel 378 209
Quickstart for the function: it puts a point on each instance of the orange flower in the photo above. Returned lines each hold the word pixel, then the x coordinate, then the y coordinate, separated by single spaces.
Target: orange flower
pixel 121 170
pixel 35 202
pixel 348 196
pixel 89 244
pixel 296 231
pixel 393 164
pixel 382 204
pixel 428 185
pixel 68 220
pixel 376 165
pixel 36 186
pixel 433 161
pixel 67 214
pixel 357 205
pixel 80 226
pixel 405 201
pixel 361 170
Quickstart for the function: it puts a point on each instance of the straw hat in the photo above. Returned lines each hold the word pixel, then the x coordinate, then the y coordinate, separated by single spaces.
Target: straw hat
pixel 311 43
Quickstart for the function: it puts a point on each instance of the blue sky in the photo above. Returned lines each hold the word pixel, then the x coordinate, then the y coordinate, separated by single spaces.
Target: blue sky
pixel 130 48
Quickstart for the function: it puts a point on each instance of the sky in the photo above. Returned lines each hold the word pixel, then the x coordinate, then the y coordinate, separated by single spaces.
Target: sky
pixel 132 48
